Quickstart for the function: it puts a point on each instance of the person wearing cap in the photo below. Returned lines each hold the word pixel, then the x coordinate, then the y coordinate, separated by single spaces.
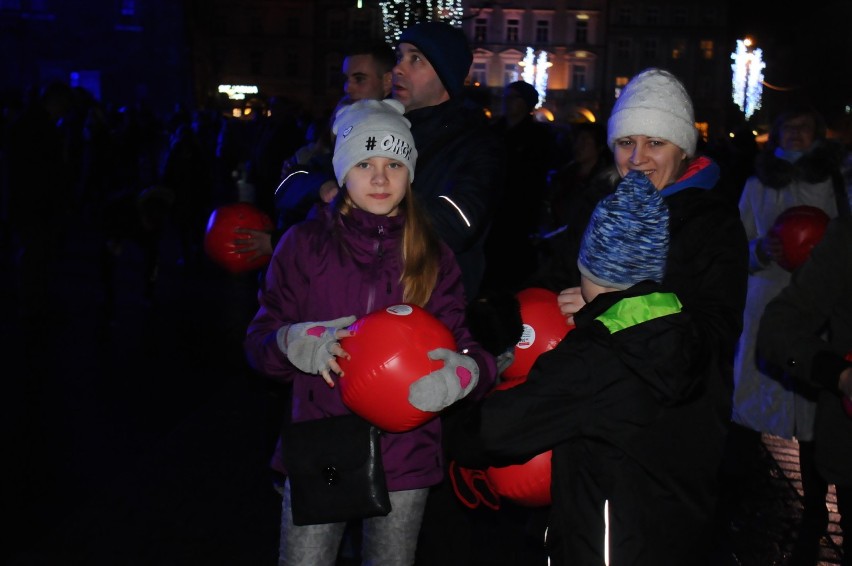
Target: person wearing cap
pixel 599 399
pixel 461 166
pixel 510 250
pixel 651 131
pixel 370 249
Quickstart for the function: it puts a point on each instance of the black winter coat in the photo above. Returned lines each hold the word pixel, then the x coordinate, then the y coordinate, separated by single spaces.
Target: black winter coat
pixel 819 297
pixel 625 409
pixel 459 179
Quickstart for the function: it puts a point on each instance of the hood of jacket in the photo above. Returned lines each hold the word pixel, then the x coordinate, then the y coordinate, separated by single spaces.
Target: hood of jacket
pixel 647 329
pixel 815 165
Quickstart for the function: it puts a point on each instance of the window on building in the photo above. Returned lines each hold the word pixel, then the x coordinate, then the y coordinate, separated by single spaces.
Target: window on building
pixel 703 130
pixel 622 48
pixel 649 48
pixel 680 16
pixel 513 30
pixel 510 73
pixel 10 5
pixel 652 15
pixel 706 46
pixel 625 15
pixel 678 49
pixel 709 15
pixel 620 83
pixel 578 77
pixel 480 30
pixel 479 74
pixel 542 31
pixel 582 31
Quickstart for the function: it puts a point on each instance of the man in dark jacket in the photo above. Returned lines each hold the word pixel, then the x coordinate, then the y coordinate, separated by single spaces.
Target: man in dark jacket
pixel 460 164
pixel 459 180
pixel 790 336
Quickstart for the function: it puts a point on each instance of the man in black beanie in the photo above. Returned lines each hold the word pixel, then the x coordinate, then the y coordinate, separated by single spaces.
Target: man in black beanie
pixel 460 169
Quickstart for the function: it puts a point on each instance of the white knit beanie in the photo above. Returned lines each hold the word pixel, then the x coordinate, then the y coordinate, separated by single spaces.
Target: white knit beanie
pixel 655 104
pixel 372 128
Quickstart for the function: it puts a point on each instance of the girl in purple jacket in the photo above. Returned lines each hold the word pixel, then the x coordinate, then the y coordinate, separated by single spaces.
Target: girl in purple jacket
pixel 372 248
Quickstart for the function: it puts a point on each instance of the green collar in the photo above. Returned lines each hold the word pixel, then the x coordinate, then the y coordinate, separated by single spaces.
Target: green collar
pixel 636 310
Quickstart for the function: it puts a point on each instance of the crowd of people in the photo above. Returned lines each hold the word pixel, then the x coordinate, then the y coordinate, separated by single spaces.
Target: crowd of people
pixel 690 339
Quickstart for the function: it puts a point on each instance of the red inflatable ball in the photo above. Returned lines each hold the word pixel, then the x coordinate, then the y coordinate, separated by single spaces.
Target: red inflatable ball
pixel 799 228
pixel 388 353
pixel 221 233
pixel 544 328
pixel 526 484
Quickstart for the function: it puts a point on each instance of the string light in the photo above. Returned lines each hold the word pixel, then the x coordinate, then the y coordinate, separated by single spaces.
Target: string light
pixel 399 14
pixel 747 77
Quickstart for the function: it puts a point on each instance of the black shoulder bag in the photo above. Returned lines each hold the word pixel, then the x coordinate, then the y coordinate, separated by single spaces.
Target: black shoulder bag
pixel 335 469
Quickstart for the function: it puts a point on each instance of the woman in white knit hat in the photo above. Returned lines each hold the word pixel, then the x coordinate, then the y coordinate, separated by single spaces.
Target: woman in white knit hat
pixel 370 249
pixel 651 130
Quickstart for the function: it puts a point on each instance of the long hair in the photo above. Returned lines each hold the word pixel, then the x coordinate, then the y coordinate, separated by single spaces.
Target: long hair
pixel 421 249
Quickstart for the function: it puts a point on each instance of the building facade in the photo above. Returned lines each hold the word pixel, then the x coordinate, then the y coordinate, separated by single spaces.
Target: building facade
pixel 558 46
pixel 579 53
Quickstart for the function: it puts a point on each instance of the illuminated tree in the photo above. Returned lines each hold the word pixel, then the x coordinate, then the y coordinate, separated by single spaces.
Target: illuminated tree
pixel 399 14
pixel 747 79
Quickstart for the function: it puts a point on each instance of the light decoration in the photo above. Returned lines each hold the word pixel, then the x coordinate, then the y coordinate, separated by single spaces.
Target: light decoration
pixel 399 14
pixel 747 78
pixel 535 72
pixel 238 92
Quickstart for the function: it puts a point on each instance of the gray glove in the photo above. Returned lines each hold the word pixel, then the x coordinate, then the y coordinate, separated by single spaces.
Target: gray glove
pixel 308 344
pixel 445 386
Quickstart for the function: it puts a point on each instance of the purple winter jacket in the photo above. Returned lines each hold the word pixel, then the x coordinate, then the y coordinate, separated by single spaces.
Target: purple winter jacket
pixel 335 266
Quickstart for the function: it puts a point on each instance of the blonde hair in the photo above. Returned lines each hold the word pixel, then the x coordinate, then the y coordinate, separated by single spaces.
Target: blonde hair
pixel 421 249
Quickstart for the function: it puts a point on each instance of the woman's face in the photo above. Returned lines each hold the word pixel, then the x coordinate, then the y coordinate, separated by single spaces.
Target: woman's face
pixel 797 133
pixel 660 160
pixel 377 185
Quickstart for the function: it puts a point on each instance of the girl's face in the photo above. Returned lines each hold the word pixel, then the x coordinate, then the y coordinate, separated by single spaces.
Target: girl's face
pixel 377 185
pixel 660 160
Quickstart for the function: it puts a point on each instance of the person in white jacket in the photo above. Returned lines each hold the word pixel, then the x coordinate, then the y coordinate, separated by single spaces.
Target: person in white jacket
pixel 798 167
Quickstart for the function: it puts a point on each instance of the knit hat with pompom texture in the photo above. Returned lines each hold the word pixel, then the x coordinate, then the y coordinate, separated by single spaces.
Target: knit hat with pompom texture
pixel 627 238
pixel 655 104
pixel 372 128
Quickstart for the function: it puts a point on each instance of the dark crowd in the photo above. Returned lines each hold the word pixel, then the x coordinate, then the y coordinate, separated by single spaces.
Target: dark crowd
pixel 688 332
